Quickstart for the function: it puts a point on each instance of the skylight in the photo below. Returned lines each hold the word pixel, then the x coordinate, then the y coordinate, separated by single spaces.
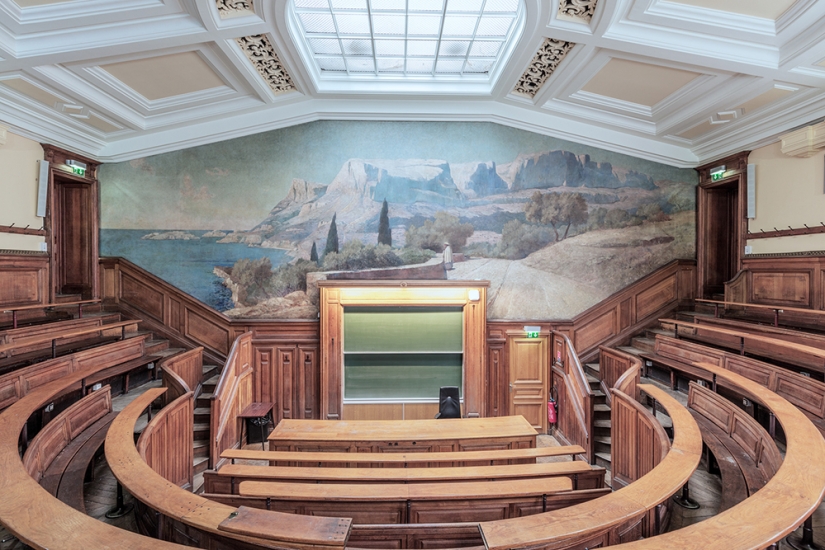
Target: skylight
pixel 455 39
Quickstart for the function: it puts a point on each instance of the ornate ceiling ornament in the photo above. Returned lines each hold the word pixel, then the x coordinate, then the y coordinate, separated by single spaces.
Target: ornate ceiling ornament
pixel 542 66
pixel 230 8
pixel 260 52
pixel 583 9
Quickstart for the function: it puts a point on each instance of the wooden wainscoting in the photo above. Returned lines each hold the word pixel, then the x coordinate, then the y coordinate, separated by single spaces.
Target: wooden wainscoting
pixel 24 280
pixel 780 280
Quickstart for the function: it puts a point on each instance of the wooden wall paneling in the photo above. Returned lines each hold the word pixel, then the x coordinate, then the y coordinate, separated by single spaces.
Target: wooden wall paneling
pixel 24 281
pixel 141 295
pixel 597 330
pixel 308 393
pixel 285 361
pixel 206 331
pixel 497 374
pixel 657 296
pixel 782 287
pixel 475 333
pixel 332 316
pixel 166 442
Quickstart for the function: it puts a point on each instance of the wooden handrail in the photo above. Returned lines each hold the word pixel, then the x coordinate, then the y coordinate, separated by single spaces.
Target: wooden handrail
pixel 22 342
pixel 779 507
pixel 776 343
pixel 228 400
pixel 173 502
pixel 585 521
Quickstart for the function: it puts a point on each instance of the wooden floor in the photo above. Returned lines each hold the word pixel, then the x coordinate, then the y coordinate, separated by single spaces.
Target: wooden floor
pixel 100 495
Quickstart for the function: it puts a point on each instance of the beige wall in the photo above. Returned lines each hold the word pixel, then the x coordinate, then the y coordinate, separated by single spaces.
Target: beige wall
pixel 789 192
pixel 18 189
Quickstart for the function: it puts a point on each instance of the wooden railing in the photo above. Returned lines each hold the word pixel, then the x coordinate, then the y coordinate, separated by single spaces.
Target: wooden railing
pixel 182 373
pixel 166 443
pixel 776 310
pixel 616 365
pixel 575 400
pixel 639 443
pixel 616 318
pixel 232 395
pixel 165 309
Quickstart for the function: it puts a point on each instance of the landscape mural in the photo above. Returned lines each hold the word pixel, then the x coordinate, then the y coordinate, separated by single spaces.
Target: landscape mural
pixel 249 225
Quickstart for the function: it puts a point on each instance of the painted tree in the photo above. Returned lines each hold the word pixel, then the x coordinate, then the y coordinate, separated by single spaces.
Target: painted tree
pixel 313 254
pixel 557 210
pixel 332 237
pixel 384 232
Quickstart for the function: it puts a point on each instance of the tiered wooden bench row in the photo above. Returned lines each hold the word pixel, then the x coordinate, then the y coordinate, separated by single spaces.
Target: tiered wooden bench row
pixel 779 507
pixel 798 355
pixel 744 452
pixel 60 455
pixel 809 317
pixel 680 356
pixel 102 363
pixel 22 351
pixel 29 314
pixel 796 336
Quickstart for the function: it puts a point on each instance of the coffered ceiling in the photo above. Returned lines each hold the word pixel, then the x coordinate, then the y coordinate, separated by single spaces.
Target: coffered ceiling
pixel 678 81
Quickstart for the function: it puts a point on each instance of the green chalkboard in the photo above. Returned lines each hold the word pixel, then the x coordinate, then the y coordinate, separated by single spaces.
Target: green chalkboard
pixel 405 329
pixel 397 376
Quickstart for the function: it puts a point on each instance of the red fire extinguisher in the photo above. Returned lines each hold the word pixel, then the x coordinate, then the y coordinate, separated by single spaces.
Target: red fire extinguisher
pixel 551 410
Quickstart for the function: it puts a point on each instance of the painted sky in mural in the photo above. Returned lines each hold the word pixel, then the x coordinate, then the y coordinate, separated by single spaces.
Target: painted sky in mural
pixel 555 226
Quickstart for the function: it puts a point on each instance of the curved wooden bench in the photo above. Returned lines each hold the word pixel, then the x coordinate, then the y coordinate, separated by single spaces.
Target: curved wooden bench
pixel 29 512
pixel 191 511
pixel 793 493
pixel 588 524
pixel 800 355
pixel 430 460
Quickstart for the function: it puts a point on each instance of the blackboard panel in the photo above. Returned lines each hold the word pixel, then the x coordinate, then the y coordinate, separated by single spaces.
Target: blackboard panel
pixel 389 376
pixel 403 329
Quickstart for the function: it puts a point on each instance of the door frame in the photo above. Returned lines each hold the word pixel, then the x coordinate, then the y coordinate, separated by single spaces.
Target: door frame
pixel 735 173
pixel 544 369
pixel 60 173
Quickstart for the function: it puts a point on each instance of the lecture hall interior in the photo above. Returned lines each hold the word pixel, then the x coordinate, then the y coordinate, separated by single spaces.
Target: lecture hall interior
pixel 434 274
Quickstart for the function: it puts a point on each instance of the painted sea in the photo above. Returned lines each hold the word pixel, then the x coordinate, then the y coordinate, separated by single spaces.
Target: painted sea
pixel 187 264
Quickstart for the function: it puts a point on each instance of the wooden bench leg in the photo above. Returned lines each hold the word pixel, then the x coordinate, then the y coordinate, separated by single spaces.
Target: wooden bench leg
pixel 806 541
pixel 684 499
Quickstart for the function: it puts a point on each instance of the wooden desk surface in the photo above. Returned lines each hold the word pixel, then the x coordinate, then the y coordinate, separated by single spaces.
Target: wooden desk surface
pixel 471 490
pixel 264 524
pixel 256 410
pixel 403 430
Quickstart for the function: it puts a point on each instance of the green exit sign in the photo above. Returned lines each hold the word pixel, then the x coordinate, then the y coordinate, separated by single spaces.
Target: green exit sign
pixel 78 170
pixel 717 173
pixel 533 334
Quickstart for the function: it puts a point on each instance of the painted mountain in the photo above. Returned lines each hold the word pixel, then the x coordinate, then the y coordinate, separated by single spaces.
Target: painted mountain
pixel 481 193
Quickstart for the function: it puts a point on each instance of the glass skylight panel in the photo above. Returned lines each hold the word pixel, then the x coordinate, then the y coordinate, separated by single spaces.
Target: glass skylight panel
pixel 444 38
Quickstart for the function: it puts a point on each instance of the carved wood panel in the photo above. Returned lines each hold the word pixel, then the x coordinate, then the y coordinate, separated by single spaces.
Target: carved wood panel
pixel 24 280
pixel 791 288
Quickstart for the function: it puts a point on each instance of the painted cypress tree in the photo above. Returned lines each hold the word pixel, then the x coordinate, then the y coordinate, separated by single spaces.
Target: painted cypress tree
pixel 313 254
pixel 332 237
pixel 384 233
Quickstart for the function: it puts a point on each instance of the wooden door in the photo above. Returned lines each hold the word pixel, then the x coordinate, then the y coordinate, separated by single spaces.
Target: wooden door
pixel 528 379
pixel 721 224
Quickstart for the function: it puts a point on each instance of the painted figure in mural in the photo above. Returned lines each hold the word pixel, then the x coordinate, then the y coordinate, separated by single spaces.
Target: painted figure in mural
pixel 448 256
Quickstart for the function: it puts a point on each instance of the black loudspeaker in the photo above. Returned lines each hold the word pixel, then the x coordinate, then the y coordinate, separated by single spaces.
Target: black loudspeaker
pixel 449 404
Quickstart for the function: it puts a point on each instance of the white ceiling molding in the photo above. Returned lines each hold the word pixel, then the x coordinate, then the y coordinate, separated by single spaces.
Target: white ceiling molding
pixel 69 99
pixel 3 134
pixel 804 142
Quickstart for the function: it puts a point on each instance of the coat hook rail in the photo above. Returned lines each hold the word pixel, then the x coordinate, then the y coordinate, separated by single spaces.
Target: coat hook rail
pixel 790 232
pixel 22 230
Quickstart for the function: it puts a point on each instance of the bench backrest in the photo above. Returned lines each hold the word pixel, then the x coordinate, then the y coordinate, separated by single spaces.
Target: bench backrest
pixel 804 392
pixel 739 426
pixel 17 384
pixel 63 428
pixel 55 330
